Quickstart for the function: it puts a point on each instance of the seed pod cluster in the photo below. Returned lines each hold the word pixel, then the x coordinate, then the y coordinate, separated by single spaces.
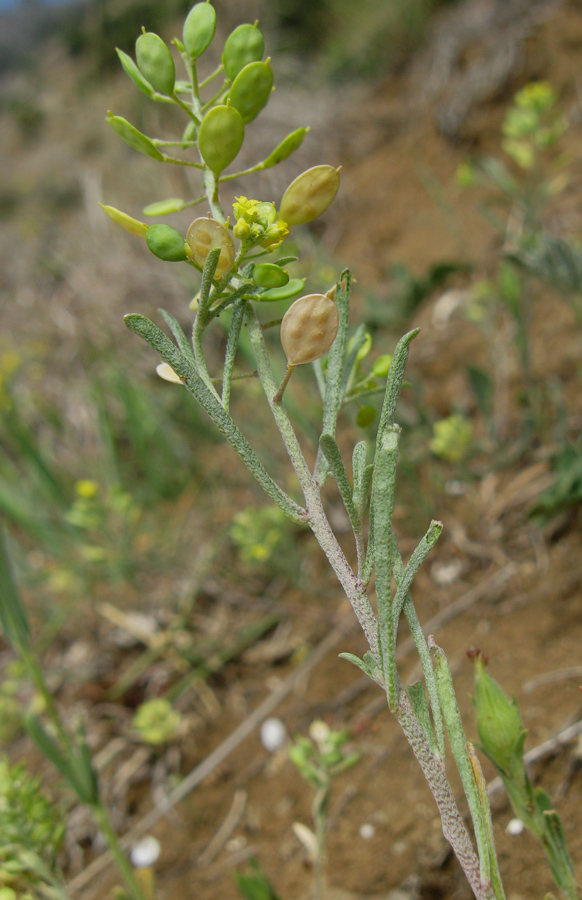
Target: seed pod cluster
pixel 309 328
pixel 206 234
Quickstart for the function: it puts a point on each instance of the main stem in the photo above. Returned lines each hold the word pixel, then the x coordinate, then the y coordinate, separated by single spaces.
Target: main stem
pixel 434 771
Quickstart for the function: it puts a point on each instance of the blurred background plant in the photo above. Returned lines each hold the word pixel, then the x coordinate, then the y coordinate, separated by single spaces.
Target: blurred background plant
pixel 32 829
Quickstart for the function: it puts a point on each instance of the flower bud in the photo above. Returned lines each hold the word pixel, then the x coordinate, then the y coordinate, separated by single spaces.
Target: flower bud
pixel 133 137
pixel 269 275
pixel 221 136
pixel 199 29
pixel 309 195
pixel 243 46
pixel 287 146
pixel 120 218
pixel 206 234
pixel 155 62
pixel 242 230
pixel 309 328
pixel 251 89
pixel 498 720
pixel 166 243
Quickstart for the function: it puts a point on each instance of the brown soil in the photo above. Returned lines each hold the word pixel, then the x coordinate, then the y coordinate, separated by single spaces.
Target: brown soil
pixel 527 581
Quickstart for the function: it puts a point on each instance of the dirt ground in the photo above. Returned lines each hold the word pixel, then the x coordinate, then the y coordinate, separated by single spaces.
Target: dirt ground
pixel 510 587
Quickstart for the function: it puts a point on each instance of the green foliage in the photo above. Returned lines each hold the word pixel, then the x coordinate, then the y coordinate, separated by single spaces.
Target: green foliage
pixel 28 818
pixel 502 737
pixel 452 438
pixel 254 884
pixel 259 533
pixel 155 722
pixel 565 491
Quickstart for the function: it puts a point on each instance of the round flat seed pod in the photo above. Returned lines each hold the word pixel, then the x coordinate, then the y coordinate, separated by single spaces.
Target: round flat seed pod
pixel 199 29
pixel 128 133
pixel 155 62
pixel 164 207
pixel 293 287
pixel 244 45
pixel 268 275
pixel 206 234
pixel 166 243
pixel 221 136
pixel 309 328
pixel 309 195
pixel 251 89
pixel 132 71
pixel 134 226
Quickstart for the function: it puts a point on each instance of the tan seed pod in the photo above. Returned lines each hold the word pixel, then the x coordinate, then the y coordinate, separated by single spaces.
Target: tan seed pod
pixel 309 328
pixel 309 195
pixel 205 235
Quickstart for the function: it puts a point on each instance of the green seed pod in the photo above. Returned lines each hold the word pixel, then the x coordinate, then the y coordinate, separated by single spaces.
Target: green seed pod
pixel 189 133
pixel 309 328
pixel 293 287
pixel 206 234
pixel 132 71
pixel 382 365
pixel 287 146
pixel 164 207
pixel 251 89
pixel 221 136
pixel 155 62
pixel 245 45
pixel 133 137
pixel 199 29
pixel 166 243
pixel 365 416
pixel 498 720
pixel 309 195
pixel 268 275
pixel 120 218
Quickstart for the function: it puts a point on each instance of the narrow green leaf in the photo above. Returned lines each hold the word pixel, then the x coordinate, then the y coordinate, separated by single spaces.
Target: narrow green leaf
pixel 178 332
pixel 334 459
pixel 335 365
pixel 458 743
pixel 420 706
pixel 12 612
pixel 146 329
pixel 383 503
pixel 230 353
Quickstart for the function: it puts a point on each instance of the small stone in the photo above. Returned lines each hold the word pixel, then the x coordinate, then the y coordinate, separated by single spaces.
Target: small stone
pixel 514 827
pixel 273 734
pixel 367 831
pixel 146 853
